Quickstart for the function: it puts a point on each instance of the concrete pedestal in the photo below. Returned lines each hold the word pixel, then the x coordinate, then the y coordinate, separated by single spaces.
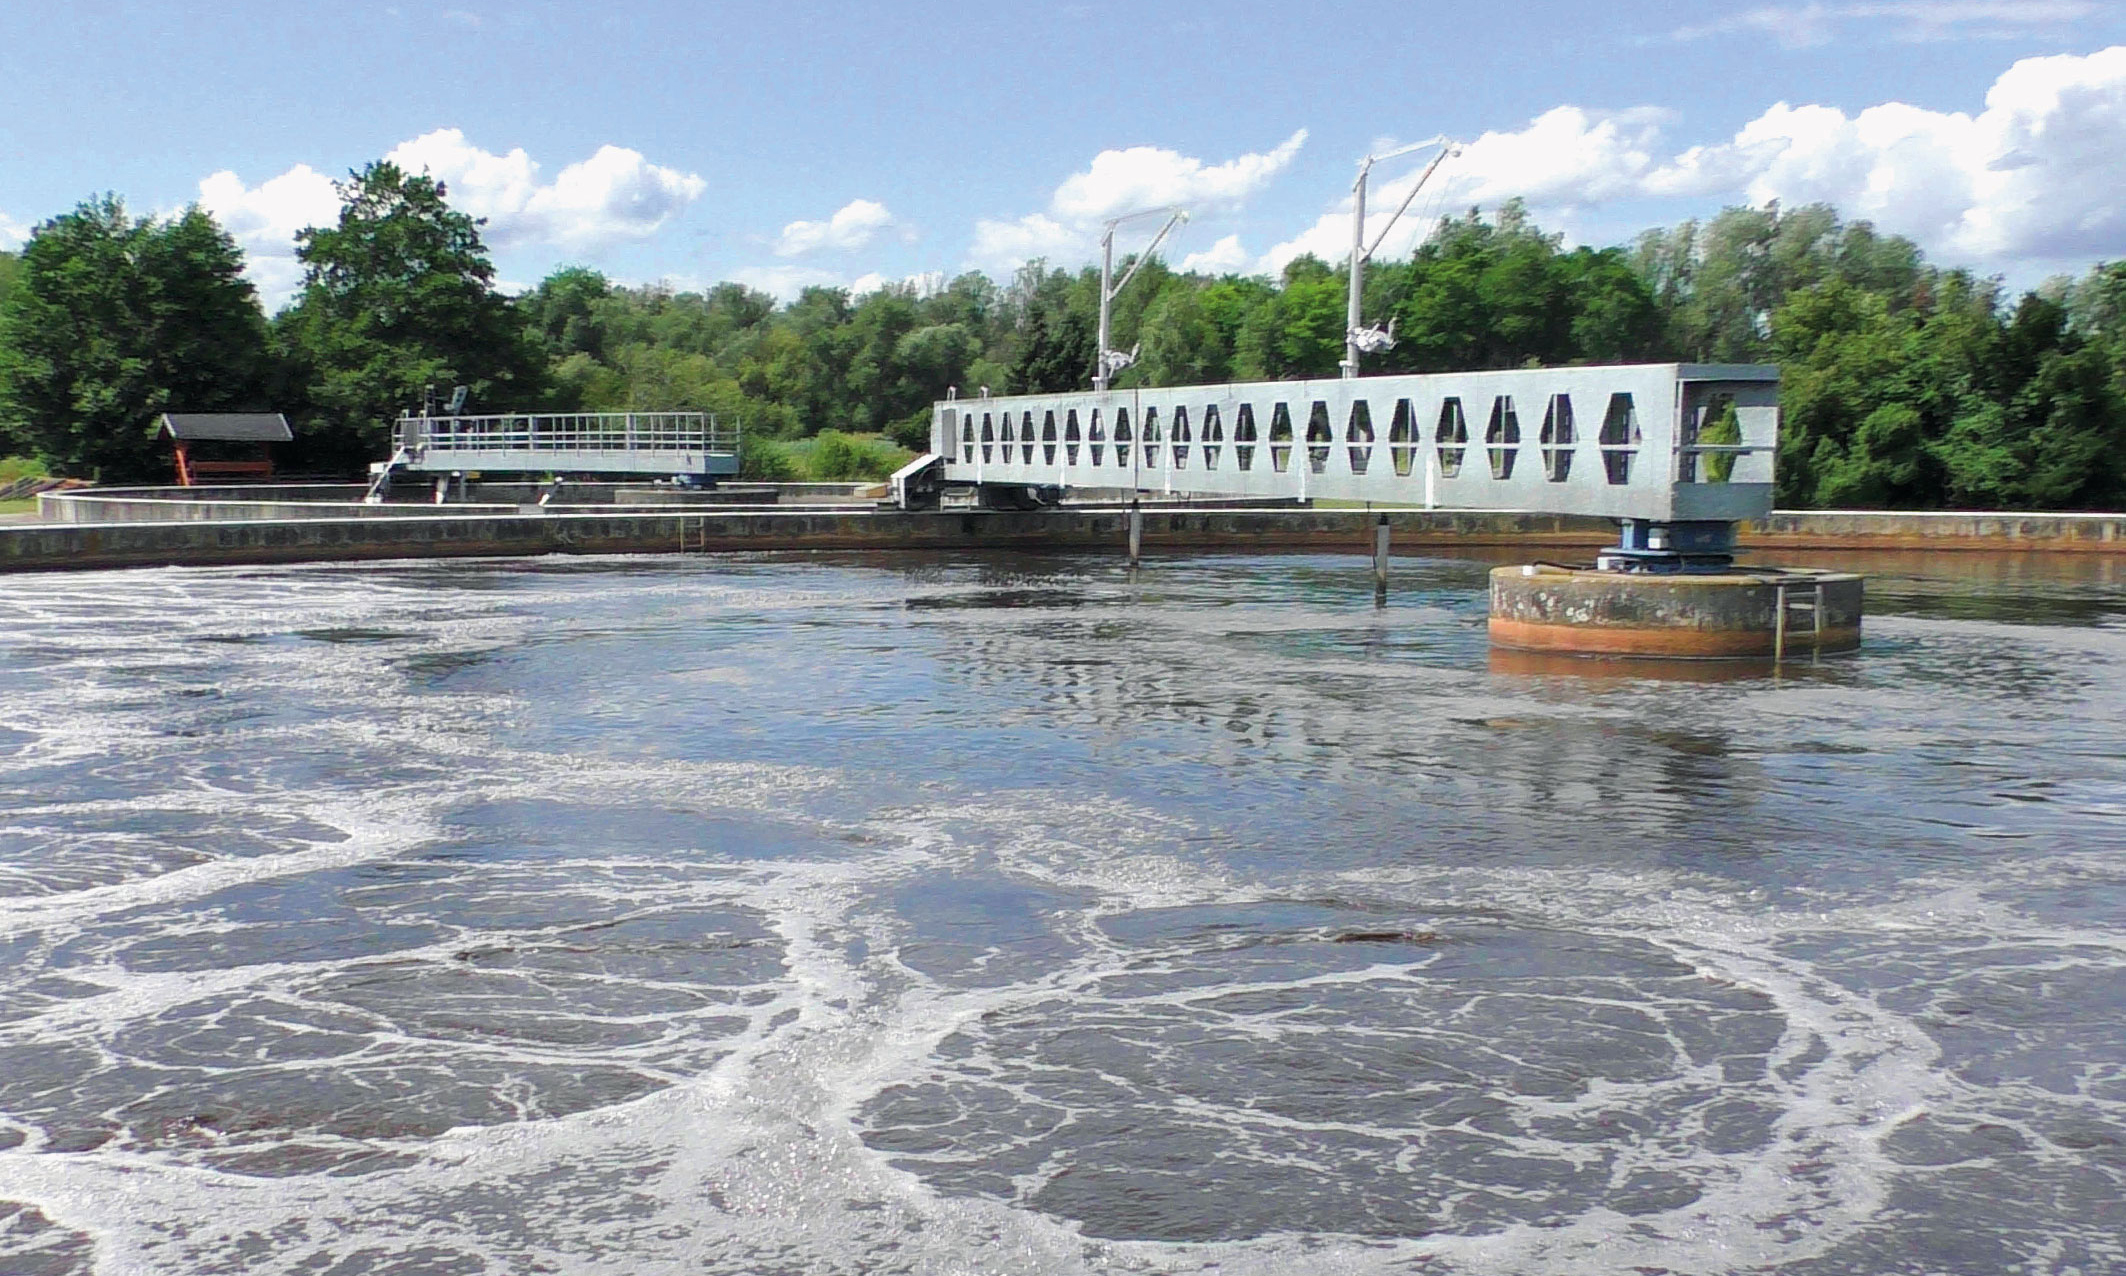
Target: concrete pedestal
pixel 1732 615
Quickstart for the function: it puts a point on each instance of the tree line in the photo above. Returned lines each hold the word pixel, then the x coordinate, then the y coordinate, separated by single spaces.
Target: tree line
pixel 1905 384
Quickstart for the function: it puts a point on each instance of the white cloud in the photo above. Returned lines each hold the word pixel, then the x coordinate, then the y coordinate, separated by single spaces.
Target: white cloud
pixel 1810 25
pixel 925 283
pixel 263 220
pixel 1001 246
pixel 1220 258
pixel 13 234
pixel 1123 181
pixel 612 196
pixel 1567 158
pixel 2038 176
pixel 854 225
pixel 1120 181
pixel 784 283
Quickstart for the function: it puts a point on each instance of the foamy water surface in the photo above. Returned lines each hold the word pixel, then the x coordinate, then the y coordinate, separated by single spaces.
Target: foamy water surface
pixel 808 914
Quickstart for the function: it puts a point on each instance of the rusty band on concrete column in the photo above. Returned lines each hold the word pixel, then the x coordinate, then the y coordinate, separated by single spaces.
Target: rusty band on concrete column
pixel 1632 614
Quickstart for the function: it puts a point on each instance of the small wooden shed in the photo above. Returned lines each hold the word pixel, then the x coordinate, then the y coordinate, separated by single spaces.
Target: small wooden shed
pixel 226 433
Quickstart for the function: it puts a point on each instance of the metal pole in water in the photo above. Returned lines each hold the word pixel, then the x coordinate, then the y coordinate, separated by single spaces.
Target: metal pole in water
pixel 1779 622
pixel 1380 555
pixel 1136 532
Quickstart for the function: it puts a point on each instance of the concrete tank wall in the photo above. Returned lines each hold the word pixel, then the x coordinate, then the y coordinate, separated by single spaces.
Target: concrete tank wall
pixel 1948 529
pixel 287 523
pixel 49 546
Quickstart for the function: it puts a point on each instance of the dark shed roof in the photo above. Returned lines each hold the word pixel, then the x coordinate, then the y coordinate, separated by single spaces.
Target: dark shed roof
pixel 238 427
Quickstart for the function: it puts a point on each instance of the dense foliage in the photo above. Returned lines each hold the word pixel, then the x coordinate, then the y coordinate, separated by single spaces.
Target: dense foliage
pixel 1905 384
pixel 109 321
pixel 397 297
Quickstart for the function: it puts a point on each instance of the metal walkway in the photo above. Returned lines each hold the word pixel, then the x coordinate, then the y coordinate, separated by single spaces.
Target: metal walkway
pixel 1626 441
pixel 646 443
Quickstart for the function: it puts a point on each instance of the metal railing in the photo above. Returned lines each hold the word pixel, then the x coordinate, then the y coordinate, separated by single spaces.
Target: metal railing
pixel 573 432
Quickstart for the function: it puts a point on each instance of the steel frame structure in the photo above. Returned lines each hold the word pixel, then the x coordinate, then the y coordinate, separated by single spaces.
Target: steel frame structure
pixel 1622 441
pixel 659 443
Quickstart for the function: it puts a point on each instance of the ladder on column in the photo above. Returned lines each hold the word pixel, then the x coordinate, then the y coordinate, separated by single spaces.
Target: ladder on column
pixel 1802 598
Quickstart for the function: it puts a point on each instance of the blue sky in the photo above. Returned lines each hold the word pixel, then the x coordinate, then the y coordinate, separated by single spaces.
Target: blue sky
pixel 791 143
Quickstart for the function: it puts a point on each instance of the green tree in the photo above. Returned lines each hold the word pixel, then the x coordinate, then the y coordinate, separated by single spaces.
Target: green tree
pixel 11 439
pixel 1181 343
pixel 813 375
pixel 1614 318
pixel 2096 312
pixel 1299 330
pixel 115 320
pixel 972 300
pixel 1055 353
pixel 563 312
pixel 2050 433
pixel 398 296
pixel 1494 295
pixel 1851 434
pixel 1719 284
pixel 878 393
pixel 930 361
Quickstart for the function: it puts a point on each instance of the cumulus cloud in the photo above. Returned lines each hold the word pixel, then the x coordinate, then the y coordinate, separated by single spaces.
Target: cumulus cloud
pixel 2039 175
pixel 1000 245
pixel 854 225
pixel 784 283
pixel 263 220
pixel 1809 25
pixel 1565 159
pixel 614 195
pixel 13 234
pixel 1121 181
pixel 1220 258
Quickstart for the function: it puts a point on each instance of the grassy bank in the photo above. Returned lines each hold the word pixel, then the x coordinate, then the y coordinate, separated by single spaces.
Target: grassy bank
pixel 828 457
pixel 20 467
pixel 13 469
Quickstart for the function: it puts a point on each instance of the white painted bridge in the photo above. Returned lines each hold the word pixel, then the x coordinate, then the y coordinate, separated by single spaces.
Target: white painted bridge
pixel 1632 441
pixel 691 445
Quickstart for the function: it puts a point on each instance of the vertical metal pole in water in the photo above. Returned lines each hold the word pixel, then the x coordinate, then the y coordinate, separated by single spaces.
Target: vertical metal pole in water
pixel 1380 558
pixel 1136 532
pixel 1778 622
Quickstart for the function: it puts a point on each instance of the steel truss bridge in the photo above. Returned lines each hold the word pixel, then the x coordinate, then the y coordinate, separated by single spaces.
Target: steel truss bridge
pixel 1637 442
pixel 666 444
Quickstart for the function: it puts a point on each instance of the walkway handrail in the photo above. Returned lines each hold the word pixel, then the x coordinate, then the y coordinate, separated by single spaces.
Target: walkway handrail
pixel 567 432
